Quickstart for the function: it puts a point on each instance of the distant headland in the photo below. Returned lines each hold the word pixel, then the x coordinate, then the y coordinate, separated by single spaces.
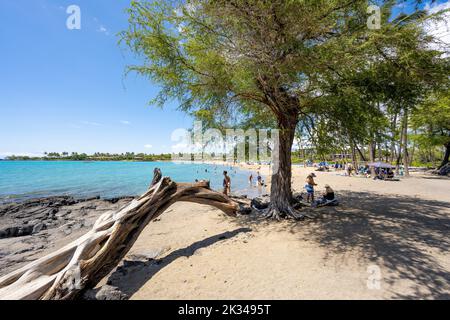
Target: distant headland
pixel 74 156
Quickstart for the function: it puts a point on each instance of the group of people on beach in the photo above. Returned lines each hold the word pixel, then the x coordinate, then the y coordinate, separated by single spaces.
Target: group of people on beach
pixel 327 195
pixel 227 182
pixel 351 170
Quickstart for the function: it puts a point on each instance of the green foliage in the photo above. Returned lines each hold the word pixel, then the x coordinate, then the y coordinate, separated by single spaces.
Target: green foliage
pixel 129 156
pixel 272 63
pixel 432 120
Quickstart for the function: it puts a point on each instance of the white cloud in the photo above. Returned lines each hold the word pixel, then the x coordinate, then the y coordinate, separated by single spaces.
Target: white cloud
pixel 148 146
pixel 181 147
pixel 102 29
pixel 20 154
pixel 127 123
pixel 440 29
pixel 89 123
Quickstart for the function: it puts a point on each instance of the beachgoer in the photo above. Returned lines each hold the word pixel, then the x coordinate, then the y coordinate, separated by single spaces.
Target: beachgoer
pixel 327 196
pixel 226 184
pixel 349 169
pixel 390 174
pixel 250 179
pixel 310 183
pixel 259 179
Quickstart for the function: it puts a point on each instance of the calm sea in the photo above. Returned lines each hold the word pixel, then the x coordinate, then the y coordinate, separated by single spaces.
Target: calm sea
pixel 22 180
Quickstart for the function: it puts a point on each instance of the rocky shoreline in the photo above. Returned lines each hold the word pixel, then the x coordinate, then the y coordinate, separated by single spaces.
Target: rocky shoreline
pixel 33 228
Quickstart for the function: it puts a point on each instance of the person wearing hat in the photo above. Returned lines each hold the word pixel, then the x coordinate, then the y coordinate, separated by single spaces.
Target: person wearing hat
pixel 328 195
pixel 310 187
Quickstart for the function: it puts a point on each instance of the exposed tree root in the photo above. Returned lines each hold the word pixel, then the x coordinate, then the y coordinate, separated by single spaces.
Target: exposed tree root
pixel 288 212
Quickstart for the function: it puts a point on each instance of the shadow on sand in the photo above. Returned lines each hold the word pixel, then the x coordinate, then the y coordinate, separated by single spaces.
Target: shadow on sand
pixel 403 235
pixel 407 237
pixel 132 275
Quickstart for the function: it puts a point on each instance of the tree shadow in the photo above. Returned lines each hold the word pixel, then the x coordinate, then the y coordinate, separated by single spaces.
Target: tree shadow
pixel 129 277
pixel 435 178
pixel 406 237
pixel 402 235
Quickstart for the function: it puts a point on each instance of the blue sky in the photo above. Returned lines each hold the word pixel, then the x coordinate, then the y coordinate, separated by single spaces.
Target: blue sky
pixel 65 90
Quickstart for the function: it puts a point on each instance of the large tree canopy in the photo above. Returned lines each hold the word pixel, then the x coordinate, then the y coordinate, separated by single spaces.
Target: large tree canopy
pixel 276 62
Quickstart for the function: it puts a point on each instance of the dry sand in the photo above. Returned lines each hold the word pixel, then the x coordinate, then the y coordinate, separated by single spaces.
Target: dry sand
pixel 397 228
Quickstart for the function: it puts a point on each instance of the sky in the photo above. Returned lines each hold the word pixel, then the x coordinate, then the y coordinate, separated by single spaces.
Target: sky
pixel 66 90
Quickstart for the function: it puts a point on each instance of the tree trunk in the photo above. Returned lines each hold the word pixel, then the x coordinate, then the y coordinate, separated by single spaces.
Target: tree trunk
pixel 399 154
pixel 361 155
pixel 372 158
pixel 386 149
pixel 68 272
pixel 281 190
pixel 380 152
pixel 413 151
pixel 393 130
pixel 446 156
pixel 405 144
pixel 354 160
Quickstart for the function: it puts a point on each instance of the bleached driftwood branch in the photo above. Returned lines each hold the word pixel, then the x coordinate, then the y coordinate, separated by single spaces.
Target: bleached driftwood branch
pixel 68 272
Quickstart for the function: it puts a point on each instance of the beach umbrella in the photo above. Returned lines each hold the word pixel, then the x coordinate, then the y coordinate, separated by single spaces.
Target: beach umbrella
pixel 382 165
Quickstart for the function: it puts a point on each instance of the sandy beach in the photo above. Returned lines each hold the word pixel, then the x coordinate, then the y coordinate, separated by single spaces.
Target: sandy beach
pixel 386 240
pixel 399 228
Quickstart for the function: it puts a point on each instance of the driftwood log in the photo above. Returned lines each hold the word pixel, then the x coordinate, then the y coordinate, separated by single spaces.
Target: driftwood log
pixel 68 272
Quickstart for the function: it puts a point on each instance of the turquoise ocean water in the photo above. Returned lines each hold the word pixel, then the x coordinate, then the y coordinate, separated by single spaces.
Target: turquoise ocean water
pixel 22 180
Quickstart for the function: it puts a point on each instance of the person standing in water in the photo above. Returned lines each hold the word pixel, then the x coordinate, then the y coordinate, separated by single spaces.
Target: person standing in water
pixel 259 179
pixel 226 183
pixel 250 179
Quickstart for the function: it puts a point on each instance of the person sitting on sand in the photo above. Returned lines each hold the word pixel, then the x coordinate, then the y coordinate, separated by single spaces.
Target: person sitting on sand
pixel 379 174
pixel 327 196
pixel 390 174
pixel 226 183
pixel 310 183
